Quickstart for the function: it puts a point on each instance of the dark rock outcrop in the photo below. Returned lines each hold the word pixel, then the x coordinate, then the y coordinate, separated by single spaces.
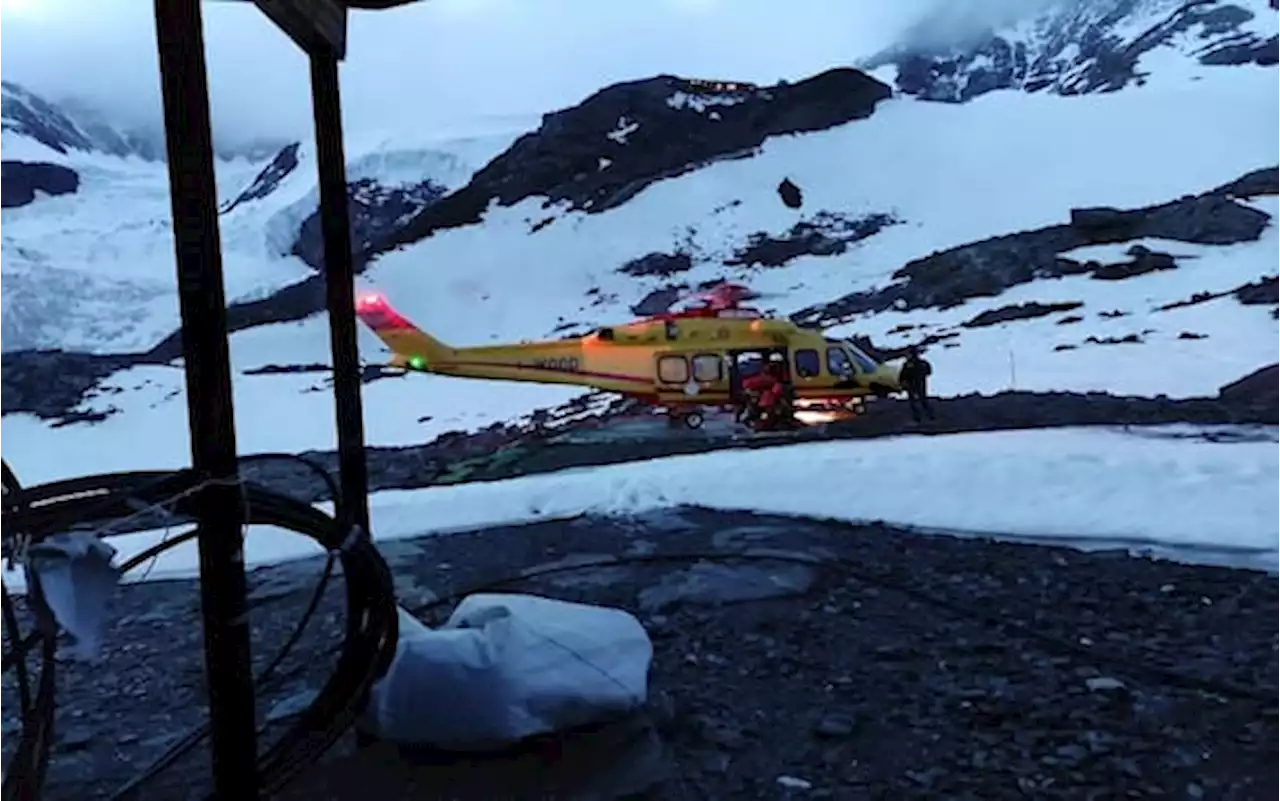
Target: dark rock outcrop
pixel 376 212
pixel 1021 311
pixel 1127 339
pixel 266 181
pixel 21 180
pixel 1071 48
pixel 50 383
pixel 599 154
pixel 1142 260
pixel 989 267
pixel 1259 182
pixel 290 304
pixel 826 234
pixel 1262 292
pixel 1260 390
pixel 658 301
pixel 658 264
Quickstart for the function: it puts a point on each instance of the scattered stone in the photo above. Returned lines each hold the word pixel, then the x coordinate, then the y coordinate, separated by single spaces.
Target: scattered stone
pixel 715 584
pixel 834 726
pixel 826 234
pixel 794 783
pixel 1104 684
pixel 75 738
pixel 1127 339
pixel 291 706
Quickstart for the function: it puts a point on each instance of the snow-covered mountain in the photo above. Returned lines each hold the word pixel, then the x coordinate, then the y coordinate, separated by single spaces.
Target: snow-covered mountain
pixel 1081 46
pixel 1118 239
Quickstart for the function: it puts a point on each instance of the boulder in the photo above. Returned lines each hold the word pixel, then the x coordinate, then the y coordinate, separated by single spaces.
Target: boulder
pixel 21 180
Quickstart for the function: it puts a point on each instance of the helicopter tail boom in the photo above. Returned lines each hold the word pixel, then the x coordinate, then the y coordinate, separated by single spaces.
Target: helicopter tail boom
pixel 410 346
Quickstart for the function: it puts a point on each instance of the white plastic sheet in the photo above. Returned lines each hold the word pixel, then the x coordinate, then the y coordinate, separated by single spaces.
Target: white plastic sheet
pixel 506 667
pixel 77 577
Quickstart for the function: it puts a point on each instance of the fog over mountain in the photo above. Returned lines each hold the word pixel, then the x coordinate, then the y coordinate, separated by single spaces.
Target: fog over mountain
pixel 455 65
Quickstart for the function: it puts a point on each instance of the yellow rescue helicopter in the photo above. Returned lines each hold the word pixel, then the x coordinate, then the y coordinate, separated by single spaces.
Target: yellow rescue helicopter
pixel 684 361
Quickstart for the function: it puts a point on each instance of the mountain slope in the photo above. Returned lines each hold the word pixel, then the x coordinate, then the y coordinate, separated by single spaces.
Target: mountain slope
pixel 991 215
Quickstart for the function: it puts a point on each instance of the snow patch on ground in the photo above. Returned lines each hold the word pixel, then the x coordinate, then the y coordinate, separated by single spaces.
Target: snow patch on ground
pixel 1077 484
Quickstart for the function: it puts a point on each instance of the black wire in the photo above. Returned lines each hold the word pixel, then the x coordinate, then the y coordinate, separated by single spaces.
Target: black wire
pixel 372 623
pixel 193 738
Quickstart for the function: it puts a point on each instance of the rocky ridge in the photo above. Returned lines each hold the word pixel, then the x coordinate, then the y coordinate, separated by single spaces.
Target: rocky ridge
pixel 1072 47
pixel 590 157
pixel 986 268
pixel 53 131
pixel 600 153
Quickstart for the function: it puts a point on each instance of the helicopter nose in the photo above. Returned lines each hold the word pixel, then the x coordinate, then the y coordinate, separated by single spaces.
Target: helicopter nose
pixel 891 374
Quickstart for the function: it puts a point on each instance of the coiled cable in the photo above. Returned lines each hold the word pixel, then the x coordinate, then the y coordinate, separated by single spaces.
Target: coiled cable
pixel 35 513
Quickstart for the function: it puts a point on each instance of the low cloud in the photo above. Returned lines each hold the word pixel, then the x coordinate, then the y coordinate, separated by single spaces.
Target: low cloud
pixel 454 65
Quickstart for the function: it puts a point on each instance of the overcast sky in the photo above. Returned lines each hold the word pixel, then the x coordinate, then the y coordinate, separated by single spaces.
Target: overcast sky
pixel 450 64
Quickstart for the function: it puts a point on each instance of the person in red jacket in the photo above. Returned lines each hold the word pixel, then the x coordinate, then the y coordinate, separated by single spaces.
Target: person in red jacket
pixel 767 392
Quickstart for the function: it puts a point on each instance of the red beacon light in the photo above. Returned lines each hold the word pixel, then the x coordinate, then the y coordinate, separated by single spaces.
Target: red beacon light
pixel 370 300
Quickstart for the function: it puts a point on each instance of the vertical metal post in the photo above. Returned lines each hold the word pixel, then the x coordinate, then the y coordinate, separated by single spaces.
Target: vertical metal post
pixel 335 223
pixel 193 192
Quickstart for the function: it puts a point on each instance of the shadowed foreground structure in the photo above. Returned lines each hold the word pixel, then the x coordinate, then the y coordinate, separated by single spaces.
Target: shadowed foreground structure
pixel 860 661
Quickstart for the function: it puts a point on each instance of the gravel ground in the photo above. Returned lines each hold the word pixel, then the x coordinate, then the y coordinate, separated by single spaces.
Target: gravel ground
pixel 893 665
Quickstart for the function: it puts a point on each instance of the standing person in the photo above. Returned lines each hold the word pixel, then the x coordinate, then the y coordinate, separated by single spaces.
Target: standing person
pixel 914 378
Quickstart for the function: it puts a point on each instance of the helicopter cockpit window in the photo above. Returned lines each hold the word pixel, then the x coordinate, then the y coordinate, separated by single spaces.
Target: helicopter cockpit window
pixel 839 365
pixel 865 363
pixel 808 363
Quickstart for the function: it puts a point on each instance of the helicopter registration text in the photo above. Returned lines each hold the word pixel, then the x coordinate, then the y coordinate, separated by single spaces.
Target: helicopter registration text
pixel 566 364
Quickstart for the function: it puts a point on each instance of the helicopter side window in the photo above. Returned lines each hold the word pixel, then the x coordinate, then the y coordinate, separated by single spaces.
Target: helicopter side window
pixel 673 369
pixel 808 364
pixel 707 368
pixel 838 363
pixel 749 364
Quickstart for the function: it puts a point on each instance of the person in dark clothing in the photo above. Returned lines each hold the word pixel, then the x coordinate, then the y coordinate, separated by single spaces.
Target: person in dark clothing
pixel 914 378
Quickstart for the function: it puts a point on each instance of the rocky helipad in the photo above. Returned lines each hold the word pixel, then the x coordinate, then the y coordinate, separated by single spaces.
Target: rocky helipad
pixel 793 659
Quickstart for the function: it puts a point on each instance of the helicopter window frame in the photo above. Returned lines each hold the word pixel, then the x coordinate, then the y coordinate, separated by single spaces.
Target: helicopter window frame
pixel 836 356
pixel 811 366
pixel 715 364
pixel 861 357
pixel 673 359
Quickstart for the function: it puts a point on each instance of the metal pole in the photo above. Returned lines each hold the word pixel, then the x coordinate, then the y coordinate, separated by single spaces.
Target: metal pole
pixel 339 282
pixel 193 192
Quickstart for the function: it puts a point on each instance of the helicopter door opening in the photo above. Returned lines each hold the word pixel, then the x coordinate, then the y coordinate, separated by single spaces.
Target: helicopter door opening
pixel 745 363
